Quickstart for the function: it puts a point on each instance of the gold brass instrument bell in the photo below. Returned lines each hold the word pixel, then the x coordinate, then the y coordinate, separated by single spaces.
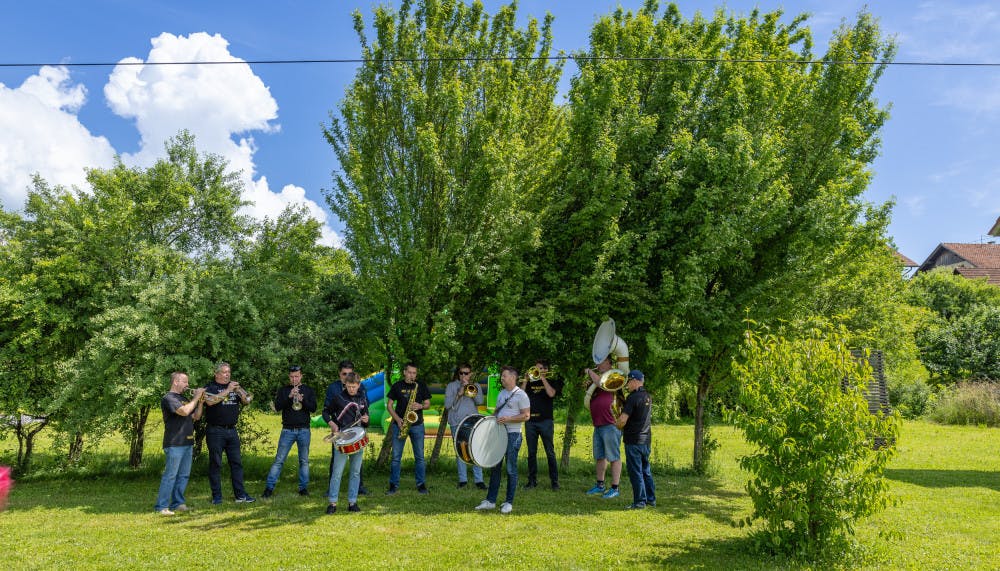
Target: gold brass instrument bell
pixel 606 344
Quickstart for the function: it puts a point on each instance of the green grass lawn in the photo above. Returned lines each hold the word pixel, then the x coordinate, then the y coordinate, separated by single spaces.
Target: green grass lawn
pixel 946 480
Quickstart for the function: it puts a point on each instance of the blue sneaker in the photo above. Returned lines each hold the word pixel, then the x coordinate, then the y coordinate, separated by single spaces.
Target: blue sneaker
pixel 611 493
pixel 216 501
pixel 595 490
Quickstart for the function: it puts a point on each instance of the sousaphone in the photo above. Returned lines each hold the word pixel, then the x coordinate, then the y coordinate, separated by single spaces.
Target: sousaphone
pixel 607 344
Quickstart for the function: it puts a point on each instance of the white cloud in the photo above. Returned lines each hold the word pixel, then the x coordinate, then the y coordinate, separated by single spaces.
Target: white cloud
pixel 40 133
pixel 219 104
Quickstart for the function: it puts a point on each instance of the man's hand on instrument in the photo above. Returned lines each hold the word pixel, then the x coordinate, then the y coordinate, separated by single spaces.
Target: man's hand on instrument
pixel 415 406
pixel 333 426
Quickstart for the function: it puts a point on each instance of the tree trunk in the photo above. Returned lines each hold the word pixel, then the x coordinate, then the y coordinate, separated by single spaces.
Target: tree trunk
pixel 386 450
pixel 439 438
pixel 26 440
pixel 574 401
pixel 75 448
pixel 699 460
pixel 137 438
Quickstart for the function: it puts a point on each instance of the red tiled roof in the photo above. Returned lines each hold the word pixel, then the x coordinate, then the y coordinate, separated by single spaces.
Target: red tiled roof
pixel 907 263
pixel 979 255
pixel 992 275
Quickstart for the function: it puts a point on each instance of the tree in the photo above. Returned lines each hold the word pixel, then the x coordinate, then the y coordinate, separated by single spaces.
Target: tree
pixel 444 139
pixel 960 337
pixel 708 177
pixel 814 471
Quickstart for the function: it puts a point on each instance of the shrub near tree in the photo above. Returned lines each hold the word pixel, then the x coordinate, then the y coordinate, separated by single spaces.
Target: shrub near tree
pixel 815 471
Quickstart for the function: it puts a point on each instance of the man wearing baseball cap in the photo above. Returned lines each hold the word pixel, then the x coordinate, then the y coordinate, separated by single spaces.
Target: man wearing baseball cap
pixel 637 433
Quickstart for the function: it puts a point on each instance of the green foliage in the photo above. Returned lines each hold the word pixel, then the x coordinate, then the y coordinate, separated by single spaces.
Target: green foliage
pixel 442 159
pixel 697 192
pixel 912 397
pixel 949 296
pixel 969 403
pixel 814 471
pixel 965 347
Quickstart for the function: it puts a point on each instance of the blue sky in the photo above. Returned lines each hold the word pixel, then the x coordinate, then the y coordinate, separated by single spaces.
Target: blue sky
pixel 940 156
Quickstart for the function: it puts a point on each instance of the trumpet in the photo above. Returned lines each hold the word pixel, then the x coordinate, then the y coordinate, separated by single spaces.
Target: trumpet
pixel 534 374
pixel 214 398
pixel 189 394
pixel 471 390
pixel 296 397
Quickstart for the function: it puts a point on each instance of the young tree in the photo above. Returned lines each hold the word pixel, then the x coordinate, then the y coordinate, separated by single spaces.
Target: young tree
pixel 814 471
pixel 709 176
pixel 443 140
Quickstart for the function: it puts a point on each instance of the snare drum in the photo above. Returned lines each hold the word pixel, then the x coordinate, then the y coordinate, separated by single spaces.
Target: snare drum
pixel 351 440
pixel 481 440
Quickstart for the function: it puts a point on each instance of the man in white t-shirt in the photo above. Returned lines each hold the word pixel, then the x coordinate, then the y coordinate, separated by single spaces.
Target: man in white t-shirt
pixel 513 409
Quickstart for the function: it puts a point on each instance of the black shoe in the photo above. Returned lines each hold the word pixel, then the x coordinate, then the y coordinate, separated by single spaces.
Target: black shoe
pixel 353 508
pixel 362 491
pixel 331 509
pixel 555 486
pixel 530 485
pixel 481 485
pixel 462 484
pixel 391 491
pixel 268 492
pixel 303 492
pixel 423 489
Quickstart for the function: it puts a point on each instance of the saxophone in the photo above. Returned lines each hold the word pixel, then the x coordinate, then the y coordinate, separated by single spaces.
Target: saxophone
pixel 411 415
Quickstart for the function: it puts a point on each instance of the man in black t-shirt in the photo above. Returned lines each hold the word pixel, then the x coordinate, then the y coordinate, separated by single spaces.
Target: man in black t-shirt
pixel 224 398
pixel 178 437
pixel 542 391
pixel 404 397
pixel 296 402
pixel 635 422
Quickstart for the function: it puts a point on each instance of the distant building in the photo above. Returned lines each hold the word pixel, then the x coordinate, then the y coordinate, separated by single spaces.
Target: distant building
pixel 968 260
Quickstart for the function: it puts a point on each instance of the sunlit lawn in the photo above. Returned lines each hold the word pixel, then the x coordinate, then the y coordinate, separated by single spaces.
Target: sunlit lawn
pixel 947 481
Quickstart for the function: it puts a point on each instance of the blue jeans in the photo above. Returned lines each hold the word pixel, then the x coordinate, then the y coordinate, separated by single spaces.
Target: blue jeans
pixel 533 429
pixel 639 473
pixel 416 434
pixel 226 440
pixel 354 480
pixel 175 477
pixel 300 437
pixel 513 447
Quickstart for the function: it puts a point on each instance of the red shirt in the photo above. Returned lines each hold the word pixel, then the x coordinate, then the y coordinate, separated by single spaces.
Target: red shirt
pixel 600 407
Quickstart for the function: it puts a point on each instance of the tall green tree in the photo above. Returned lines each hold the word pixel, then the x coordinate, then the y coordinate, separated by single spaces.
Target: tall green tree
pixel 708 177
pixel 444 141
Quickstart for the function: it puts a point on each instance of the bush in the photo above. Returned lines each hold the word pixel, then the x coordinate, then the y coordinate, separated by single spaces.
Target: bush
pixel 911 398
pixel 969 403
pixel 814 471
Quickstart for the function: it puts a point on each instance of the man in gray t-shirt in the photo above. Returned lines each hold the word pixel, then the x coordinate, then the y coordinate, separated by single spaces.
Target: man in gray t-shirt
pixel 513 408
pixel 460 406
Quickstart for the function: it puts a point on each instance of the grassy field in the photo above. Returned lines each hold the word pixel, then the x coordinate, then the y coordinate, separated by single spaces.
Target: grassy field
pixel 946 480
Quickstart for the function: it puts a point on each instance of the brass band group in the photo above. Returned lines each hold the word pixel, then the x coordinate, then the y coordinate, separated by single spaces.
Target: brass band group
pixel 482 442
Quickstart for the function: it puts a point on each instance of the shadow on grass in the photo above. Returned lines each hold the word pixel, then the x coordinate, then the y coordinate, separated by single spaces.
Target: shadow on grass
pixel 721 553
pixel 679 495
pixel 947 478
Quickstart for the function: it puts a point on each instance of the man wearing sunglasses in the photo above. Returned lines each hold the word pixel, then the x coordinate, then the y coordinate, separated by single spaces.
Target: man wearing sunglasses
pixel 460 406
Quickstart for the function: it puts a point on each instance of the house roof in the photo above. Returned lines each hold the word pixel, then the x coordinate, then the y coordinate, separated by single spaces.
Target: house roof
pixel 992 275
pixel 995 230
pixel 976 255
pixel 907 262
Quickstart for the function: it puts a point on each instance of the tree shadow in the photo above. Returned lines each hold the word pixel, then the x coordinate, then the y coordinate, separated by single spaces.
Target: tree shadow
pixel 947 478
pixel 721 553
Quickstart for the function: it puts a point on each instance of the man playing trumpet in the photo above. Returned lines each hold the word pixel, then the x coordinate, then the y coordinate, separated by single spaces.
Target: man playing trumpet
pixel 225 398
pixel 296 402
pixel 178 437
pixel 462 398
pixel 542 391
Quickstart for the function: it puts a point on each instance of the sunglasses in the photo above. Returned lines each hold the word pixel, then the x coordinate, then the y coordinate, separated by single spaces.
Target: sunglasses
pixel 294 369
pixel 465 372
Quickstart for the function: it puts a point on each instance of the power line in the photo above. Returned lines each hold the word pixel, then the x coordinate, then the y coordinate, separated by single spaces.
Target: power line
pixel 505 58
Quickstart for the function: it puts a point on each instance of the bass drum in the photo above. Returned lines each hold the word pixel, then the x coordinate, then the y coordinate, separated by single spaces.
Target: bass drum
pixel 481 440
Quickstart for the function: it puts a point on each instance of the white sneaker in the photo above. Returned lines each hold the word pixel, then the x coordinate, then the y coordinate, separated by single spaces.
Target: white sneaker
pixel 165 511
pixel 486 505
pixel 182 508
pixel 506 508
